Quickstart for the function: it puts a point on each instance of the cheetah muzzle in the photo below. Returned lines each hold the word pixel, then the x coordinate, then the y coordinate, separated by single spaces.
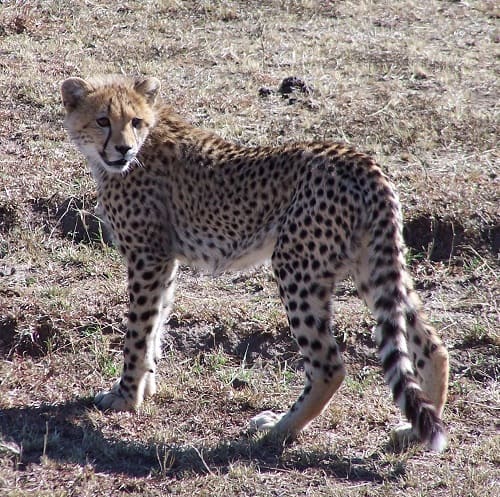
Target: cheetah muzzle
pixel 320 211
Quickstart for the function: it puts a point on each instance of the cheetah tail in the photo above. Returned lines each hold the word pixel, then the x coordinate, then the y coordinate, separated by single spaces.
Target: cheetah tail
pixel 399 375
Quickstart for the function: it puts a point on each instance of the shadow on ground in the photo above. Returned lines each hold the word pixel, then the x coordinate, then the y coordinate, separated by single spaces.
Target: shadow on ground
pixel 64 433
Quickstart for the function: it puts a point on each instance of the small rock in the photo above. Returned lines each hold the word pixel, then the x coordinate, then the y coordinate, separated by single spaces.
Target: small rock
pixel 7 270
pixel 419 73
pixel 291 84
pixel 264 91
pixel 238 384
pixel 7 330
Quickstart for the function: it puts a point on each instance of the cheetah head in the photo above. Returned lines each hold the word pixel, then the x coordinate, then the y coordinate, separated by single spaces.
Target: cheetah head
pixel 109 117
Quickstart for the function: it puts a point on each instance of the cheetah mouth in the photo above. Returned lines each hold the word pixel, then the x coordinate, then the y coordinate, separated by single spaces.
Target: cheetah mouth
pixel 118 164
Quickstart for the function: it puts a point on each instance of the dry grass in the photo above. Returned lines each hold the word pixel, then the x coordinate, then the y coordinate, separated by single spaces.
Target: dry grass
pixel 413 83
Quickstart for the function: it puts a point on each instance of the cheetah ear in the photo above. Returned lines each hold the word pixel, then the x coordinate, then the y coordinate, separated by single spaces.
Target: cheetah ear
pixel 149 88
pixel 73 90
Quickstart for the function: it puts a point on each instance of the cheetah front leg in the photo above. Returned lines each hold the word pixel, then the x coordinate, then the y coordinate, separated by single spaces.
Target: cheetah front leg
pixel 151 289
pixel 165 308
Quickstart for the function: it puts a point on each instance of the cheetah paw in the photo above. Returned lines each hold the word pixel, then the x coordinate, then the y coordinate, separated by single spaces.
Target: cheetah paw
pixel 403 436
pixel 113 400
pixel 265 421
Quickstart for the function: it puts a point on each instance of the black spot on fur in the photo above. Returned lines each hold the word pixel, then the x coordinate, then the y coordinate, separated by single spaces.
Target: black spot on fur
pixel 310 320
pixel 332 351
pixel 384 303
pixel 411 318
pixel 399 387
pixel 389 329
pixel 392 359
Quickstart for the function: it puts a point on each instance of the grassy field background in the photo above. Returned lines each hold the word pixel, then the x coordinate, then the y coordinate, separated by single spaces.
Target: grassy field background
pixel 413 83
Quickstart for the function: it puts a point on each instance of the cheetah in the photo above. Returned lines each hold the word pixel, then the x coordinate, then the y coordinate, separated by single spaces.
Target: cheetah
pixel 321 211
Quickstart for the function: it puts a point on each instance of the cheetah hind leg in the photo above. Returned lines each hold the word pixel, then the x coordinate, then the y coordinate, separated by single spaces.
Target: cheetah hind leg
pixel 310 404
pixel 113 399
pixel 324 370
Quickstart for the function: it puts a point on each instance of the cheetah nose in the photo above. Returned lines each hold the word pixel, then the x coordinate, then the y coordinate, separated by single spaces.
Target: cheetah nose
pixel 123 149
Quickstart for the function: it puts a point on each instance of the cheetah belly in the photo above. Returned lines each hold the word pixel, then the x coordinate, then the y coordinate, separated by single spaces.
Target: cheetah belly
pixel 255 256
pixel 219 260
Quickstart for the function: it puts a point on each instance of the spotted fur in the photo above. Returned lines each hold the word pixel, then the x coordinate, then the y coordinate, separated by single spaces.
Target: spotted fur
pixel 321 211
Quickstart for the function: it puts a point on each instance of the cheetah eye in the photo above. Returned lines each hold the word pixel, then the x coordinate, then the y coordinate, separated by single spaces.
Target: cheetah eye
pixel 136 122
pixel 103 122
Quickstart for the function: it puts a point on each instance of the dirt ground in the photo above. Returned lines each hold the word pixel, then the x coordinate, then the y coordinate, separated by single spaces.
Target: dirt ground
pixel 415 84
